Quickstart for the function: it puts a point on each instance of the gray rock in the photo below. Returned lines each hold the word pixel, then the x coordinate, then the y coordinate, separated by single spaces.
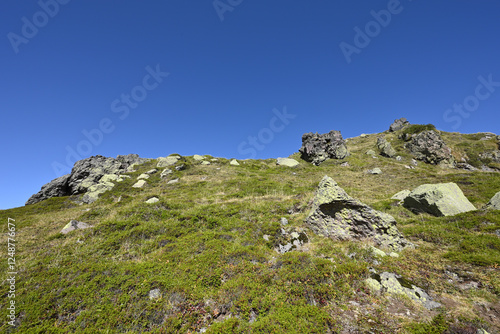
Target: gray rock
pixel 155 294
pixel 152 171
pixel 197 157
pixel 399 158
pixel 174 181
pixel 180 167
pixel 205 163
pixel 428 146
pixel 74 225
pixel 95 190
pixel 442 199
pixel 316 148
pixel 375 171
pixel 385 148
pixel 466 166
pixel 139 184
pixel 152 200
pixel 167 161
pixel 345 164
pixel 165 173
pixel 398 124
pixel 284 221
pixel 55 188
pixel 287 162
pixel 289 239
pixel 397 285
pixel 336 215
pixel 143 176
pixel 494 203
pixel 234 162
pixel 370 152
pixel 401 195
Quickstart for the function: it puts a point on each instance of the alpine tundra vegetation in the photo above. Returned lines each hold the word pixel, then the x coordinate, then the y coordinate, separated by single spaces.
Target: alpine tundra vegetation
pixel 311 243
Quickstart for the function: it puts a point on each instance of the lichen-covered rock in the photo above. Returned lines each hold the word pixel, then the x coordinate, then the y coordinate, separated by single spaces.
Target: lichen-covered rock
pixel 316 148
pixel 198 157
pixel 336 215
pixel 401 195
pixel 398 124
pixel 442 199
pixel 167 161
pixel 287 162
pixel 428 146
pixel 494 203
pixel 139 184
pixel 85 174
pixel 397 285
pixel 234 162
pixel 385 148
pixel 74 225
pixel 289 239
pixel 152 200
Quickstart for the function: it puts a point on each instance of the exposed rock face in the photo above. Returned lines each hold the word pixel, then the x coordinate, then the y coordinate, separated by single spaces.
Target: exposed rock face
pixel 494 203
pixel 401 195
pixel 86 177
pixel 55 188
pixel 287 162
pixel 167 161
pixel 398 124
pixel 429 147
pixel 442 199
pixel 337 215
pixel 317 148
pixel 395 284
pixel 385 148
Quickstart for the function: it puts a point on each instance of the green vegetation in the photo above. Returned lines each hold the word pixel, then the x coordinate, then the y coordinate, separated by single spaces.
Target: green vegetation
pixel 202 246
pixel 417 128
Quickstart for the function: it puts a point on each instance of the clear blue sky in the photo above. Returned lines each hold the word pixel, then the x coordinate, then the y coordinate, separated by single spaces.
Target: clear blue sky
pixel 70 66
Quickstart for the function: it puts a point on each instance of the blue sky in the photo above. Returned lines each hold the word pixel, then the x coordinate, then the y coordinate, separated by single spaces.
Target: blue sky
pixel 201 77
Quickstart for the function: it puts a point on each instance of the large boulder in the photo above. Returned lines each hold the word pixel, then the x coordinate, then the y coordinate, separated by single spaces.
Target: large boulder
pixel 398 124
pixel 385 148
pixel 316 148
pixel 336 215
pixel 86 177
pixel 442 199
pixel 430 148
pixel 494 203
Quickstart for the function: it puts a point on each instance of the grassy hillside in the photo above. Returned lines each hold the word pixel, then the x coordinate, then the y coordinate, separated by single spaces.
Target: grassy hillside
pixel 202 246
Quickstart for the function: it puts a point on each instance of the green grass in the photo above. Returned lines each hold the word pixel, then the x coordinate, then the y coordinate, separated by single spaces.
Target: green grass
pixel 202 246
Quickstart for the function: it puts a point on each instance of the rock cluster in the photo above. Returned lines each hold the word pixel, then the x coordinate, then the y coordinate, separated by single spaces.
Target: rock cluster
pixel 86 176
pixel 428 146
pixel 337 215
pixel 397 285
pixel 398 124
pixel 316 148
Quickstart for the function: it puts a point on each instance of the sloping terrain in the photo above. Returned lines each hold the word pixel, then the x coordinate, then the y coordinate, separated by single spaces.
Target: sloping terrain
pixel 205 257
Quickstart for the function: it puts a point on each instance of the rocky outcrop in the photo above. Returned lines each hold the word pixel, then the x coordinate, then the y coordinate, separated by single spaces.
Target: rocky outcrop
pixel 442 199
pixel 336 215
pixel 397 285
pixel 494 203
pixel 167 161
pixel 385 148
pixel 428 146
pixel 316 148
pixel 398 124
pixel 86 177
